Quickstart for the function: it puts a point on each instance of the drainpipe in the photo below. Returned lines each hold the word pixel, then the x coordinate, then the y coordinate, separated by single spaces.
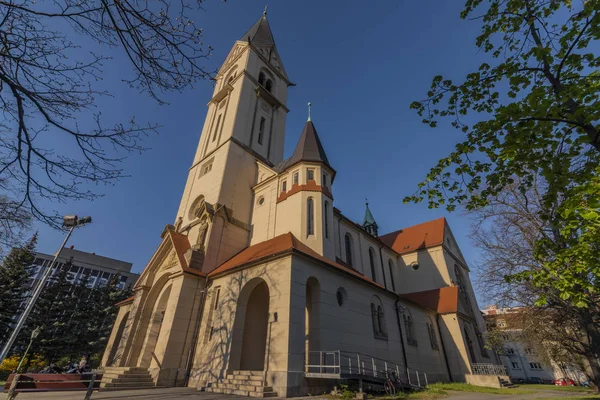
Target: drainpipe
pixel 400 330
pixel 192 353
pixel 437 323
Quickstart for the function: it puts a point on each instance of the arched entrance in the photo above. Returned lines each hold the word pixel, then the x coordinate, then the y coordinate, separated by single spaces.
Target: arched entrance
pixel 154 328
pixel 255 329
pixel 113 356
pixel 311 322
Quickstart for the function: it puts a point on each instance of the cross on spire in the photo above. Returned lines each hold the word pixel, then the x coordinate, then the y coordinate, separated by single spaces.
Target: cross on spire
pixel 309 104
pixel 265 11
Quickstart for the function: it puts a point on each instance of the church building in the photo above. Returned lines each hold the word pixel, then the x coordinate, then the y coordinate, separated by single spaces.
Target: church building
pixel 262 287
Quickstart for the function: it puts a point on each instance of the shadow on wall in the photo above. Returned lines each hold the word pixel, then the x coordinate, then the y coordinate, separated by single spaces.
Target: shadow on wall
pixel 236 327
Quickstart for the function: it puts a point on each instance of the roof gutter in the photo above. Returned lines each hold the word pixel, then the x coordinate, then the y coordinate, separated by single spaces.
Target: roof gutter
pixel 400 330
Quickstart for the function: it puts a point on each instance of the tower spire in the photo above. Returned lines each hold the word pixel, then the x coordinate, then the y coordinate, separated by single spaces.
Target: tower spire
pixel 369 223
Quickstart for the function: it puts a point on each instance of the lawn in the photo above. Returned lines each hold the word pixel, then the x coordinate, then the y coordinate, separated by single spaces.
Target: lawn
pixel 427 394
pixel 553 387
pixel 465 387
pixel 590 397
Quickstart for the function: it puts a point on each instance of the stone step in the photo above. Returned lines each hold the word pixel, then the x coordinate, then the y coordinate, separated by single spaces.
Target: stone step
pixel 124 369
pixel 250 388
pixel 243 382
pixel 248 373
pixel 126 380
pixel 257 378
pixel 129 384
pixel 230 391
pixel 264 394
pixel 129 376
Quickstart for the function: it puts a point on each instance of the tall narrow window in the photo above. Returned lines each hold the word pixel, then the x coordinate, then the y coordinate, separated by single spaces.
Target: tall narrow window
pixel 348 244
pixel 310 174
pixel 310 216
pixel 372 262
pixel 374 319
pixel 261 129
pixel 261 78
pixel 391 267
pixel 410 331
pixel 432 336
pixel 284 186
pixel 269 85
pixel 217 128
pixel 295 178
pixel 326 219
pixel 324 183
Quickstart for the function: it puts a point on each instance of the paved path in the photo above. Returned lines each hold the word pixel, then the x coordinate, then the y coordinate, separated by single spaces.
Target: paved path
pixel 193 394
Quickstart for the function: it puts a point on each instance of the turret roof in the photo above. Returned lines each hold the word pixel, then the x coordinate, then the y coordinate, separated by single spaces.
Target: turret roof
pixel 309 148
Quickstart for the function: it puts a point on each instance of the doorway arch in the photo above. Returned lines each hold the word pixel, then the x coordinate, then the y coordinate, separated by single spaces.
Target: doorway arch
pixel 249 342
pixel 112 356
pixel 154 327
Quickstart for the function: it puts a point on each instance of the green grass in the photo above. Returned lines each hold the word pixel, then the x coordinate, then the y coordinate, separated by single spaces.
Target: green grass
pixel 553 387
pixel 426 394
pixel 465 387
pixel 590 397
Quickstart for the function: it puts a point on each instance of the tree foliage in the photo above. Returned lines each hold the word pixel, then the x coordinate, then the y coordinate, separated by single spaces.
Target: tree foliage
pixel 536 101
pixel 53 54
pixel 537 120
pixel 13 284
pixel 74 319
pixel 546 266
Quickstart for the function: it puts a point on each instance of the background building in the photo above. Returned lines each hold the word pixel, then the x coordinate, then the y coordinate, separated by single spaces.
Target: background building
pixel 98 270
pixel 521 357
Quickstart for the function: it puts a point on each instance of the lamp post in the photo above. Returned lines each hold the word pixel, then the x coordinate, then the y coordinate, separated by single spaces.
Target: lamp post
pixel 34 334
pixel 70 222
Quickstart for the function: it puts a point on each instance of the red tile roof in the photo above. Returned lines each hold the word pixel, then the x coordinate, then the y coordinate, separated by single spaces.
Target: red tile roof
pixel 422 236
pixel 181 244
pixel 126 301
pixel 443 300
pixel 281 245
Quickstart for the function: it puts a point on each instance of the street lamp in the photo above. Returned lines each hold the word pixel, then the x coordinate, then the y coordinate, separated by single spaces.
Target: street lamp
pixel 34 334
pixel 70 222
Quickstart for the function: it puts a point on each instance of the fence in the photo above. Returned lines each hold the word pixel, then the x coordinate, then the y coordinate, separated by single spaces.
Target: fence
pixel 488 369
pixel 347 365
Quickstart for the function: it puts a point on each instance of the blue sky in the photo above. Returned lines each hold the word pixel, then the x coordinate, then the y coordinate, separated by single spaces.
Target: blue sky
pixel 360 63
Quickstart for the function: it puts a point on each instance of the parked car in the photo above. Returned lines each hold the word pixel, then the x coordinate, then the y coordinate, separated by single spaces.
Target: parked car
pixel 535 380
pixel 564 382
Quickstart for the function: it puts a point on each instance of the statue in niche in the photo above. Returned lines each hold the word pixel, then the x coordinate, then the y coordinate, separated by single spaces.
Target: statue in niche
pixel 203 230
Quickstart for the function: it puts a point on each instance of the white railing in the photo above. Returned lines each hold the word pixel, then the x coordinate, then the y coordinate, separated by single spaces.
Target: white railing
pixel 488 369
pixel 345 364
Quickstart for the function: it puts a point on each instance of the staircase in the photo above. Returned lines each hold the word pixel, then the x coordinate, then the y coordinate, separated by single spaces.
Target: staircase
pixel 243 383
pixel 126 378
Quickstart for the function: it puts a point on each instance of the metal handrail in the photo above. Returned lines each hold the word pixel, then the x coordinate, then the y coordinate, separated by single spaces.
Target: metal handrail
pixel 488 369
pixel 351 364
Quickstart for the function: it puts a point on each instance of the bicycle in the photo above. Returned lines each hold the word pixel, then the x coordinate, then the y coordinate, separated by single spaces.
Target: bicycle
pixel 389 385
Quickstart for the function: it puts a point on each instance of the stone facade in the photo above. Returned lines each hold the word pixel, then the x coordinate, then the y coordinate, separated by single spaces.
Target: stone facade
pixel 260 274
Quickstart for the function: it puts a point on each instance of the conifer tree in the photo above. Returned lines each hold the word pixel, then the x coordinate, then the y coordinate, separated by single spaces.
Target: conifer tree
pixel 13 284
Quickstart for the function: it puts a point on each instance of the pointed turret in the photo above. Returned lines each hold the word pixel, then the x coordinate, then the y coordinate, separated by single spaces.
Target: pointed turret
pixel 260 34
pixel 309 148
pixel 369 223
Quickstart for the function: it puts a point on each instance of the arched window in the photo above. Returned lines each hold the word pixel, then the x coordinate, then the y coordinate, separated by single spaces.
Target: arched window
pixel 374 319
pixel 410 330
pixel 348 243
pixel 432 336
pixel 326 219
pixel 310 216
pixel 378 318
pixel 269 85
pixel 261 78
pixel 372 262
pixel 217 128
pixel 391 267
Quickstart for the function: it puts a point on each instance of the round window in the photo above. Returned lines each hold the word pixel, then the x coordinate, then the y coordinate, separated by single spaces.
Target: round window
pixel 415 265
pixel 341 296
pixel 261 201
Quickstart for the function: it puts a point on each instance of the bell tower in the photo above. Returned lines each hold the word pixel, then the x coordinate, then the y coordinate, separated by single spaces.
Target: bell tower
pixel 244 126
